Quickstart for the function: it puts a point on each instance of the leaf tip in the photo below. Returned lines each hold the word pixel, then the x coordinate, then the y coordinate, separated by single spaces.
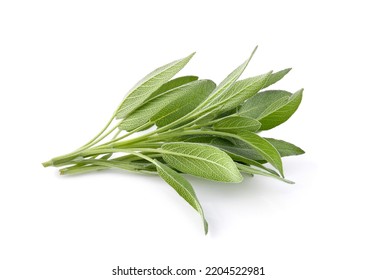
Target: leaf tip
pixel 206 227
pixel 253 52
pixel 191 55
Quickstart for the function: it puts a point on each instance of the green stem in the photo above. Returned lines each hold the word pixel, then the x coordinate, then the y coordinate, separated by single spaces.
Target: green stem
pixel 100 132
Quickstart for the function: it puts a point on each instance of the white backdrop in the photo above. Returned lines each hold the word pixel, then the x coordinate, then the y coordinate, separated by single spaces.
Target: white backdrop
pixel 65 66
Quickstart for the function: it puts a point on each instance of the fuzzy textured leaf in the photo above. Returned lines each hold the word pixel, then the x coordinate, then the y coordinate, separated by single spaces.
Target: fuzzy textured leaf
pixel 284 148
pixel 277 114
pixel 182 187
pixel 251 170
pixel 167 103
pixel 275 77
pixel 194 94
pixel 174 83
pixel 257 104
pixel 235 123
pixel 226 84
pixel 150 83
pixel 243 90
pixel 266 150
pixel 201 160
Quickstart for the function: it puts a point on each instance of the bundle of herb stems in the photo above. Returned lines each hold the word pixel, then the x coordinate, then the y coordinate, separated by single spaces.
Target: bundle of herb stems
pixel 187 125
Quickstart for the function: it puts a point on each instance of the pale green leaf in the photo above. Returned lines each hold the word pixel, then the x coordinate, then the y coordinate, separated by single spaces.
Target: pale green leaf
pixel 182 187
pixel 251 170
pixel 144 88
pixel 249 147
pixel 279 114
pixel 177 82
pixel 275 77
pixel 241 91
pixel 284 148
pixel 241 153
pixel 167 103
pixel 263 147
pixel 257 104
pixel 275 106
pixel 226 84
pixel 235 123
pixel 201 160
pixel 193 95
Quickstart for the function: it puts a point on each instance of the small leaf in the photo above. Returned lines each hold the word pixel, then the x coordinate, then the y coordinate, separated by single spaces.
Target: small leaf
pixel 150 83
pixel 239 153
pixel 257 104
pixel 241 148
pixel 276 105
pixel 252 170
pixel 226 84
pixel 194 94
pixel 242 90
pixel 167 103
pixel 235 123
pixel 266 150
pixel 182 187
pixel 275 77
pixel 172 84
pixel 284 148
pixel 201 160
pixel 279 114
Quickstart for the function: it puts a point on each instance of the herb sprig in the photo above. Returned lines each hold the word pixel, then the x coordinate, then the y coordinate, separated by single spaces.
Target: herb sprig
pixel 194 127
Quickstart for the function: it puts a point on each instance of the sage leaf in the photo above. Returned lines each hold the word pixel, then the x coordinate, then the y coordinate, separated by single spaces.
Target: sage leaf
pixel 284 148
pixel 182 187
pixel 240 153
pixel 277 115
pixel 174 83
pixel 266 150
pixel 257 104
pixel 242 90
pixel 201 160
pixel 168 103
pixel 261 147
pixel 190 97
pixel 235 123
pixel 226 84
pixel 145 87
pixel 275 77
pixel 251 170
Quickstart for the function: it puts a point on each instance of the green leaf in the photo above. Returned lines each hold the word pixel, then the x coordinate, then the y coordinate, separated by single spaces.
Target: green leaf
pixel 253 171
pixel 276 105
pixel 168 103
pixel 242 90
pixel 276 115
pixel 235 123
pixel 275 77
pixel 237 149
pixel 257 104
pixel 182 187
pixel 240 148
pixel 266 149
pixel 240 153
pixel 194 94
pixel 284 148
pixel 226 84
pixel 172 84
pixel 150 83
pixel 201 160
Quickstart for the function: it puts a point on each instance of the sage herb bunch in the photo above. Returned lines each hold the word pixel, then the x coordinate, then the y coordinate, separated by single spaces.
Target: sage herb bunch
pixel 192 126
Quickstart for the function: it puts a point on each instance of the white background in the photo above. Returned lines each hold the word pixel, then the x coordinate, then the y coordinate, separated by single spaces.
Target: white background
pixel 65 66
